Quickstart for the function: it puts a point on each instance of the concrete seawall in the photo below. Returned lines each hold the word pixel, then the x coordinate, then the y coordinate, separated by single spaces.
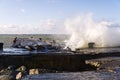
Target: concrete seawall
pixel 46 61
pixel 55 61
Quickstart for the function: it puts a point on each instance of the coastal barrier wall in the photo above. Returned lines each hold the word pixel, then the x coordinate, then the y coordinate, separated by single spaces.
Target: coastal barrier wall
pixel 55 61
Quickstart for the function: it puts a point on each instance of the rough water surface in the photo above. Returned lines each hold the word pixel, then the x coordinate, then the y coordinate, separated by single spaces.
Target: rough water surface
pixel 87 75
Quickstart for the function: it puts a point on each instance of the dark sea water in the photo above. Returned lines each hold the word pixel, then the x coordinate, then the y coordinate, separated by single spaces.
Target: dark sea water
pixel 87 75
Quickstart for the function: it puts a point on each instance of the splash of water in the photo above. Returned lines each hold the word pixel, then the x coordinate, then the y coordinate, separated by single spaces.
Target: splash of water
pixel 84 29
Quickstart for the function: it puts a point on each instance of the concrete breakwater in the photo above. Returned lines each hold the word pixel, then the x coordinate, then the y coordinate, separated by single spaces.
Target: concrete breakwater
pixel 54 61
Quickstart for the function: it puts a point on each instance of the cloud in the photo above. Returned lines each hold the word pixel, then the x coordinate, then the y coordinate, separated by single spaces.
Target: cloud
pixel 44 27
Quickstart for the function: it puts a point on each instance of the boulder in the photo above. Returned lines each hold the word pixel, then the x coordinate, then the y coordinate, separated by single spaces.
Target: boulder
pixel 6 74
pixel 11 67
pixel 19 76
pixel 6 77
pixel 33 71
pixel 21 69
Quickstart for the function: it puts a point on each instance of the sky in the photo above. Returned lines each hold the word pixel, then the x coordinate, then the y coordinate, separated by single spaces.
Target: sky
pixel 48 16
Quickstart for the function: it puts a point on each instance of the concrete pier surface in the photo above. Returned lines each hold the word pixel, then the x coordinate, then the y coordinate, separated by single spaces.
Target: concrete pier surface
pixel 62 61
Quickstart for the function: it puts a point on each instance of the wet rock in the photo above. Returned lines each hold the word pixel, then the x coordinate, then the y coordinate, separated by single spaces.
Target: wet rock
pixel 107 63
pixel 93 63
pixel 5 72
pixel 6 77
pixel 11 67
pixel 19 75
pixel 33 71
pixel 110 65
pixel 8 73
pixel 22 69
pixel 111 70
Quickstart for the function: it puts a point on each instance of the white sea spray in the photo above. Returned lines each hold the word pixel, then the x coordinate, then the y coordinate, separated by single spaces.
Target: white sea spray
pixel 84 29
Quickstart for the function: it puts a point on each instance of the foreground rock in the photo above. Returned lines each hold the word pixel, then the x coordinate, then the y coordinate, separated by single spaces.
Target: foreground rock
pixel 6 74
pixel 6 77
pixel 33 71
pixel 107 63
pixel 13 73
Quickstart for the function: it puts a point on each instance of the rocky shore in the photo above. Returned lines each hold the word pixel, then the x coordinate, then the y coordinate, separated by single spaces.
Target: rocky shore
pixel 14 73
pixel 107 63
pixel 16 67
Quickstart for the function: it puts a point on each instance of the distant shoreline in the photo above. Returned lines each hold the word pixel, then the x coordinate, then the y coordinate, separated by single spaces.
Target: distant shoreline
pixel 34 34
